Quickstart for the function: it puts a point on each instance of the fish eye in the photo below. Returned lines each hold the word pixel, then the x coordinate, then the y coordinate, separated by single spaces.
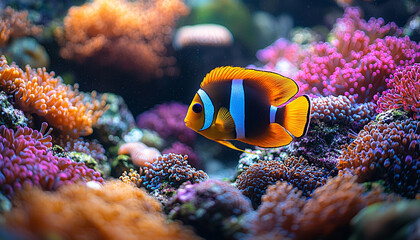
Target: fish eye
pixel 197 108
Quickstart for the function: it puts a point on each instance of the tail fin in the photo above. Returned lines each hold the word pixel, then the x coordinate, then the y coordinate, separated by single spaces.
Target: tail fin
pixel 295 116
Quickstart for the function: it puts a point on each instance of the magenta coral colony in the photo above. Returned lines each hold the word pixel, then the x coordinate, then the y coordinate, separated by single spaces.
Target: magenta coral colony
pixel 326 115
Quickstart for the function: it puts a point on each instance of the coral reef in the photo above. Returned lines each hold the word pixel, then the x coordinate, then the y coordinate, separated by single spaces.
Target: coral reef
pixel 27 161
pixel 284 213
pixel 11 117
pixel 254 181
pixel 172 169
pixel 39 92
pixel 214 208
pixel 168 121
pixel 403 92
pixel 15 24
pixel 81 212
pixel 386 150
pixel 115 123
pixel 123 34
pixel 182 149
pixel 132 177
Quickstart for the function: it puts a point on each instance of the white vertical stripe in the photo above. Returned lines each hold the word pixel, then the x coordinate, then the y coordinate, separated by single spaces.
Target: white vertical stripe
pixel 208 109
pixel 237 107
pixel 273 111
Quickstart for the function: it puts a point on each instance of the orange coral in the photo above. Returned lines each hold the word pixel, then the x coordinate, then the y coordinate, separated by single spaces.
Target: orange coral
pixel 15 24
pixel 139 152
pixel 133 177
pixel 284 213
pixel 113 211
pixel 131 35
pixel 39 92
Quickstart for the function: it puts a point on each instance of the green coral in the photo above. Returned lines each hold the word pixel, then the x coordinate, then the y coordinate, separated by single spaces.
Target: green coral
pixel 10 116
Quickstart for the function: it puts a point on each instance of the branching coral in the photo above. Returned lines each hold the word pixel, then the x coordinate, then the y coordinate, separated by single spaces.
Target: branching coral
pixel 171 169
pixel 14 25
pixel 285 213
pixel 387 151
pixel 214 208
pixel 39 92
pixel 355 62
pixel 180 148
pixel 168 120
pixel 129 35
pixel 79 212
pixel 26 161
pixel 254 181
pixel 403 92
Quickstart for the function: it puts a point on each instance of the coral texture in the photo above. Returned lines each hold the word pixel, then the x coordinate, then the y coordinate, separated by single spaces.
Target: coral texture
pixel 172 169
pixel 254 181
pixel 285 213
pixel 168 121
pixel 27 161
pixel 39 92
pixel 180 148
pixel 403 92
pixel 214 208
pixel 92 148
pixel 104 212
pixel 387 151
pixel 15 24
pixel 124 34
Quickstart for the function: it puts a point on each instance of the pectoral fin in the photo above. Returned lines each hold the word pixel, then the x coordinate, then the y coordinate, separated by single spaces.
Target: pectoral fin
pixel 224 121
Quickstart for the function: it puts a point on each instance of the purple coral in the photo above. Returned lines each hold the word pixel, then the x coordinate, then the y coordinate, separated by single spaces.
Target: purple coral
pixel 404 91
pixel 168 121
pixel 214 208
pixel 26 160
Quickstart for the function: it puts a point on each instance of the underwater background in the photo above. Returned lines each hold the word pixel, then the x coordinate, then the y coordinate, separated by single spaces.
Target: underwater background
pixel 93 96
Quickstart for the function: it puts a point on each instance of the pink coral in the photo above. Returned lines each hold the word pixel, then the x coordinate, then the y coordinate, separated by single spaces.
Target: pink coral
pixel 26 160
pixel 404 91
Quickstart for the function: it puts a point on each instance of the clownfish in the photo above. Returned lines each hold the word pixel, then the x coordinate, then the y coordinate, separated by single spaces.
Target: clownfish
pixel 248 105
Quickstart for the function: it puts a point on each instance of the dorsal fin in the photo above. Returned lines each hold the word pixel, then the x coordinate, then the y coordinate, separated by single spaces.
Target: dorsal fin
pixel 278 88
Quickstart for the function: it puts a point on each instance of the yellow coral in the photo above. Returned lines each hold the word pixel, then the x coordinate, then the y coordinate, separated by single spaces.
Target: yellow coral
pixel 113 211
pixel 39 92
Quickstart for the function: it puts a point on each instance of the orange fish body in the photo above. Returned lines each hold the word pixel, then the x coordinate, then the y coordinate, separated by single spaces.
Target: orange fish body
pixel 241 104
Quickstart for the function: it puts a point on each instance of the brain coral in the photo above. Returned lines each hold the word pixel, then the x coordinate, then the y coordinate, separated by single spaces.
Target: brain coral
pixel 25 160
pixel 254 181
pixel 172 169
pixel 284 213
pixel 404 91
pixel 112 211
pixel 214 208
pixel 387 151
pixel 39 92
pixel 129 35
